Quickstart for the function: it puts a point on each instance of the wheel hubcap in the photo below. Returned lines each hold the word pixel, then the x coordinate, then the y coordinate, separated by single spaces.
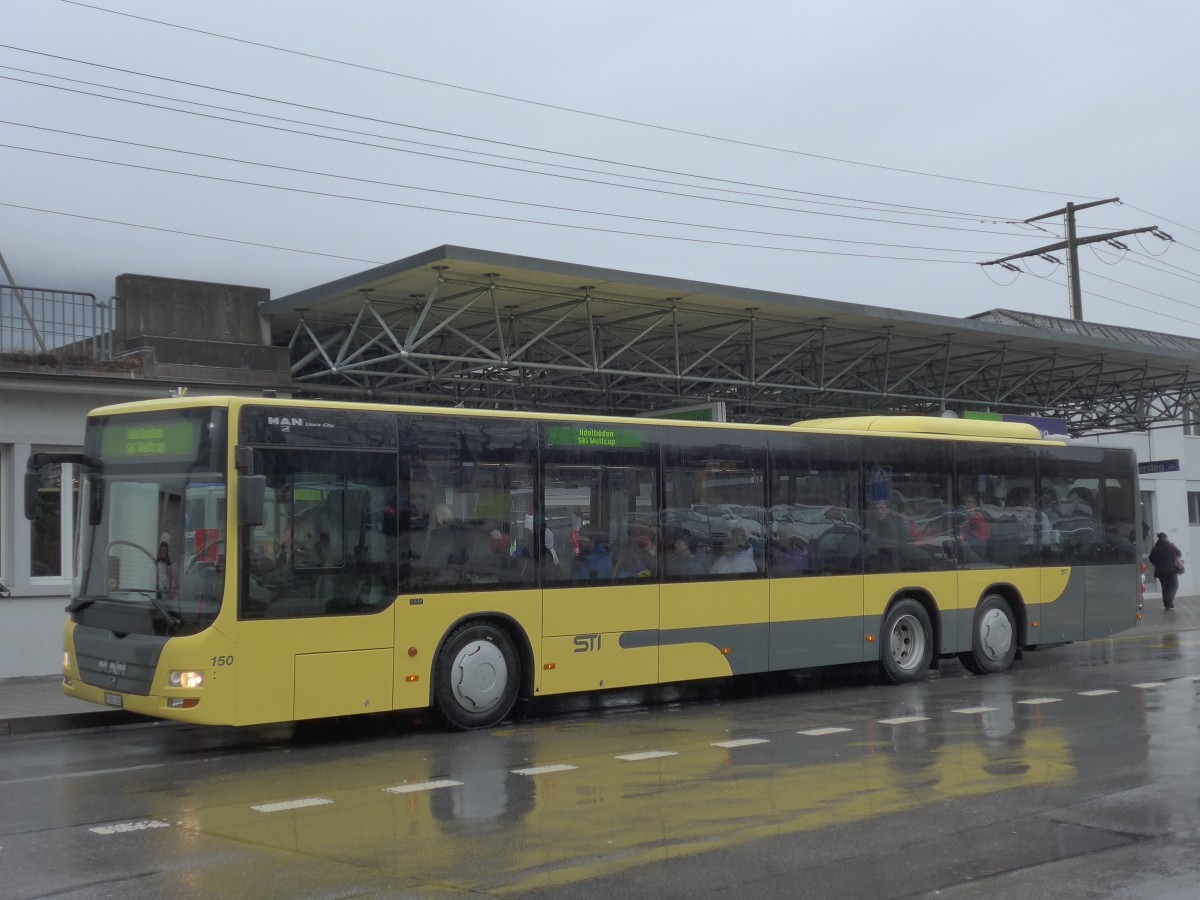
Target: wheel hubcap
pixel 995 634
pixel 907 642
pixel 479 676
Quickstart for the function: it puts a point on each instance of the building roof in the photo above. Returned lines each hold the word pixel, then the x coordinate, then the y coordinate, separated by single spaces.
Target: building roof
pixel 475 327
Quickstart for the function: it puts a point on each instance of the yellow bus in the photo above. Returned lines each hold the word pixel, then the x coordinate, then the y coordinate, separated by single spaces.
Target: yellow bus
pixel 243 561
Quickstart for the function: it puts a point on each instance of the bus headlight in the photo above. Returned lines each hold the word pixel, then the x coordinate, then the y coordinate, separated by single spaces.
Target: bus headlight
pixel 189 680
pixel 66 660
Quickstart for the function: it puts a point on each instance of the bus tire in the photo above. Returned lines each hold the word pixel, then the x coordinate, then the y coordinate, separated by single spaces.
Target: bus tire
pixel 907 643
pixel 477 677
pixel 993 637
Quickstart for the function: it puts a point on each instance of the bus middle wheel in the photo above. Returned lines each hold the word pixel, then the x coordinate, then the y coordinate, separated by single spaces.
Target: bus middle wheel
pixel 907 643
pixel 477 676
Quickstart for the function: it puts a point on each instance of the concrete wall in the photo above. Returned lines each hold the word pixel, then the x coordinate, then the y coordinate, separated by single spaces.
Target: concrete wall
pixel 195 323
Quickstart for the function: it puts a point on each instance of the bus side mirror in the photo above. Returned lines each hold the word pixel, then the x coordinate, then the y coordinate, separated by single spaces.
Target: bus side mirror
pixel 252 494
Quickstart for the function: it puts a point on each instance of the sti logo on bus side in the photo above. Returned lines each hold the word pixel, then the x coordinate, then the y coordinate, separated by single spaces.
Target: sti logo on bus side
pixel 586 642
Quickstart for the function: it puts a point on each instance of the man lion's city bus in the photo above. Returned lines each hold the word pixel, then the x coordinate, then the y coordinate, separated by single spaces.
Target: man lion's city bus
pixel 242 561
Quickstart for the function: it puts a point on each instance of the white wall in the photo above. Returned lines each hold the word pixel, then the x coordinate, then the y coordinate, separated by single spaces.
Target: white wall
pixel 38 414
pixel 1169 510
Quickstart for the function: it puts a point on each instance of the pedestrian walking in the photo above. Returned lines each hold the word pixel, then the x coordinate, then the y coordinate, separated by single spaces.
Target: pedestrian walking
pixel 1168 563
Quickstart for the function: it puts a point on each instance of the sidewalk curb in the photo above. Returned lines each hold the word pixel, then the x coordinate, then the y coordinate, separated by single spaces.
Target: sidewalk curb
pixel 21 725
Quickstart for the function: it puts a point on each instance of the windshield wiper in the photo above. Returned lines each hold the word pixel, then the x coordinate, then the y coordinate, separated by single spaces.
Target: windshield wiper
pixel 172 620
pixel 80 603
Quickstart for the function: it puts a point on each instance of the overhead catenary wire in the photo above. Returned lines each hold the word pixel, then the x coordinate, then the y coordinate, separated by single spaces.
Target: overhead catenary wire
pixel 482 215
pixel 575 178
pixel 470 196
pixel 907 209
pixel 194 234
pixel 560 108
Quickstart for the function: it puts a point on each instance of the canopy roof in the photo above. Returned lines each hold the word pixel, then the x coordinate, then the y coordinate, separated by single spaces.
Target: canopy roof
pixel 456 325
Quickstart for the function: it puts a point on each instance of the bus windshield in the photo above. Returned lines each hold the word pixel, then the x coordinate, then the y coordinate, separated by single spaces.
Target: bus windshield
pixel 152 530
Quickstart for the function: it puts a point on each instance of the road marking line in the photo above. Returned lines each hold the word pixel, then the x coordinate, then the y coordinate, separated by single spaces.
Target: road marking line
pixel 423 786
pixel 743 742
pixel 1038 701
pixel 543 770
pixel 1150 684
pixel 126 827
pixel 649 754
pixel 903 720
pixel 819 732
pixel 290 804
pixel 975 710
pixel 1100 692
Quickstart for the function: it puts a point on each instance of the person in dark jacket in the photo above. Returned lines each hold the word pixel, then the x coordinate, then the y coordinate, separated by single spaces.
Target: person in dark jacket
pixel 1165 556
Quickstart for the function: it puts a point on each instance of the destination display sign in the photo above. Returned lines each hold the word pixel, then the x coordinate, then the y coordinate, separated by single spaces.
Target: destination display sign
pixel 174 439
pixel 593 436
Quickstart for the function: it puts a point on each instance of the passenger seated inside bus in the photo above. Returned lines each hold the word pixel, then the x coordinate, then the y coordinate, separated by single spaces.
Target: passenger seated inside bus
pixel 973 531
pixel 738 557
pixel 790 557
pixel 684 555
pixel 446 544
pixel 638 558
pixel 593 561
pixel 890 546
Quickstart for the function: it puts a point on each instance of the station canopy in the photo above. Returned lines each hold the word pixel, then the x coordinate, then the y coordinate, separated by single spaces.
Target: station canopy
pixel 458 326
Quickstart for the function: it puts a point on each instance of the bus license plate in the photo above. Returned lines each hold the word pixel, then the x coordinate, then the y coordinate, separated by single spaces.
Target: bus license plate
pixel 114 700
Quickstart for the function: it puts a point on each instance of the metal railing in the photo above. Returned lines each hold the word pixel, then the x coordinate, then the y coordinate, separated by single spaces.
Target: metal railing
pixel 37 321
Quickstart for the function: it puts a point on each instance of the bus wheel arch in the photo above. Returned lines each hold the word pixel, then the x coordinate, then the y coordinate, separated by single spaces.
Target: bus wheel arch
pixel 479 672
pixel 997 632
pixel 907 640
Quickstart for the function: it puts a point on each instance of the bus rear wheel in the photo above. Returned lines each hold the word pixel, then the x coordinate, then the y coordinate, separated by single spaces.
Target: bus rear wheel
pixel 993 637
pixel 477 676
pixel 907 641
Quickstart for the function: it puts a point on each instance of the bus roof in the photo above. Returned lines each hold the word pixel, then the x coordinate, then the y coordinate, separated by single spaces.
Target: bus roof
pixel 929 427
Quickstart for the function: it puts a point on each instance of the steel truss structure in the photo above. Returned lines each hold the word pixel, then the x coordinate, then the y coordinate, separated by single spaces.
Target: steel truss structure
pixel 464 327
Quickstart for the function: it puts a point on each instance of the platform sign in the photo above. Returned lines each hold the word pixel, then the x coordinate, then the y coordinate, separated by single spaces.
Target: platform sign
pixel 1158 466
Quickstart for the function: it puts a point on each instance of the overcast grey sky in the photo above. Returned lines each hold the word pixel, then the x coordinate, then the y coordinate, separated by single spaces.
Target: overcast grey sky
pixel 870 152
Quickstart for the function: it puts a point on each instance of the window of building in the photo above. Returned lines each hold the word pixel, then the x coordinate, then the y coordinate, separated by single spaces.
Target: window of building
pixel 1194 507
pixel 52 528
pixel 1191 421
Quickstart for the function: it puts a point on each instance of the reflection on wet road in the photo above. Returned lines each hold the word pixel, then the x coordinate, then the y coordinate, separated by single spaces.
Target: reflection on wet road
pixel 1077 754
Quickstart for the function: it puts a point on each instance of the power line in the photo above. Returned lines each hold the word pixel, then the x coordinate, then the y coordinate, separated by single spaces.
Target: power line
pixel 910 210
pixel 481 215
pixel 1143 290
pixel 469 196
pixel 567 109
pixel 575 178
pixel 195 234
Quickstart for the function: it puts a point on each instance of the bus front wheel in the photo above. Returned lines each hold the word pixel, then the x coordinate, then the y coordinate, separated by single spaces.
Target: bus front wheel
pixel 478 675
pixel 907 643
pixel 993 638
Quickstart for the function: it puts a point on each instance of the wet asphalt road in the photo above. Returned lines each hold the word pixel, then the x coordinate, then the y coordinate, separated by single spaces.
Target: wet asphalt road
pixel 1073 775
